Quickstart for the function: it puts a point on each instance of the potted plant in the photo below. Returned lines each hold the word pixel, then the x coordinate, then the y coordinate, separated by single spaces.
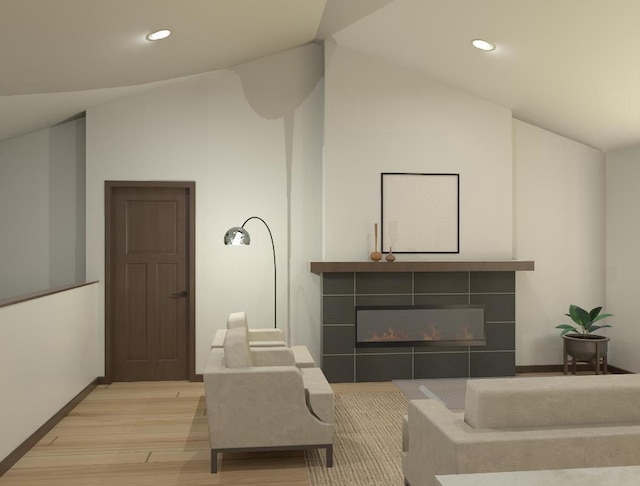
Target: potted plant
pixel 580 343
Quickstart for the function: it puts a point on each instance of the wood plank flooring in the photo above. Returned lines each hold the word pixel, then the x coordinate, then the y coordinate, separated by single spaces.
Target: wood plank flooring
pixel 150 433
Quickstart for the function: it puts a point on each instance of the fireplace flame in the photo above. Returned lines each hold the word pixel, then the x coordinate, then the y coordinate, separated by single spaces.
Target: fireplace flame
pixel 432 333
pixel 428 325
pixel 388 335
pixel 464 333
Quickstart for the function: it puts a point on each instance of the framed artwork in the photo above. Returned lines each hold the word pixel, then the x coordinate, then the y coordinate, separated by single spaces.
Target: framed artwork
pixel 420 212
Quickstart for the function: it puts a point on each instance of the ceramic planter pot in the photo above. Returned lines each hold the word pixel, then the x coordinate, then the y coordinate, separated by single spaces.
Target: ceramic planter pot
pixel 583 348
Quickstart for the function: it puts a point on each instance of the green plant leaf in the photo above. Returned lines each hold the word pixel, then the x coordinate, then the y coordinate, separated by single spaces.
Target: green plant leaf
pixel 573 313
pixel 566 328
pixel 579 315
pixel 595 328
pixel 594 313
pixel 584 320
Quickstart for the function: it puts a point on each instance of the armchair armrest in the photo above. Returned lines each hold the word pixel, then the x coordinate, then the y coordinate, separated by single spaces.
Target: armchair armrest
pixel 257 337
pixel 260 407
pixel 272 357
pixel 320 394
pixel 266 335
pixel 218 339
pixel 303 357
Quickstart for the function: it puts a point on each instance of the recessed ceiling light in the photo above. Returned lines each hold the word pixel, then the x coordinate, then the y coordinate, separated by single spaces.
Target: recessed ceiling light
pixel 483 45
pixel 158 35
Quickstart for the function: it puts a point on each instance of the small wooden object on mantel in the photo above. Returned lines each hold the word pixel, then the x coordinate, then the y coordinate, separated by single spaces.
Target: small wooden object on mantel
pixel 376 256
pixel 390 256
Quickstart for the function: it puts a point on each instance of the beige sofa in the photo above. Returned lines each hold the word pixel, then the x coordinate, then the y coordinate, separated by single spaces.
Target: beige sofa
pixel 519 424
pixel 263 338
pixel 258 400
pixel 586 476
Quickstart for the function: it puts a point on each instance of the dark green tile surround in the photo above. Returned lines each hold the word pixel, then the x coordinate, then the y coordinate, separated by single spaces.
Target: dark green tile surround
pixel 341 292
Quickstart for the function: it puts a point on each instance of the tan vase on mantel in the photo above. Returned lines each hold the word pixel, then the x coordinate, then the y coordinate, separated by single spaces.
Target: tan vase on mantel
pixel 376 256
pixel 390 256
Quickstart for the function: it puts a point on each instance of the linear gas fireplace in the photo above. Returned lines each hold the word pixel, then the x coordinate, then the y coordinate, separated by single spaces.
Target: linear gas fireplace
pixel 407 284
pixel 421 325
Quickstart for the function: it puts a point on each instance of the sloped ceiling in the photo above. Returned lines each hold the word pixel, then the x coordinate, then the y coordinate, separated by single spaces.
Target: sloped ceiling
pixel 570 66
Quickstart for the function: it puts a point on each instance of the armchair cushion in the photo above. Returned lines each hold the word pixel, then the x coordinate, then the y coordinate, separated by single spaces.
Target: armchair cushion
pixel 237 319
pixel 236 348
pixel 272 357
pixel 257 337
pixel 267 335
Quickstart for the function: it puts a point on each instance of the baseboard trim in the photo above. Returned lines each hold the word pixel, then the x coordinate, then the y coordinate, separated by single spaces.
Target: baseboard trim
pixel 34 438
pixel 619 371
pixel 559 368
pixel 198 377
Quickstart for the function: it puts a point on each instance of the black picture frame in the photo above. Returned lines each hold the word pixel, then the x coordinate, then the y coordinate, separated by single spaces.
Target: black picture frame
pixel 420 212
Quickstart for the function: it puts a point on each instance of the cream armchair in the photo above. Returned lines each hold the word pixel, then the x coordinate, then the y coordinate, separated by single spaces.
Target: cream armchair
pixel 258 400
pixel 257 337
pixel 263 338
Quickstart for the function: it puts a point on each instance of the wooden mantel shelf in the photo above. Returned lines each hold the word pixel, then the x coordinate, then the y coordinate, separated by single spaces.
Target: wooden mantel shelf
pixel 423 266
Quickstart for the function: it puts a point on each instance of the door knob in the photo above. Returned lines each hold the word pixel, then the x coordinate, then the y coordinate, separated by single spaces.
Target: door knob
pixel 184 293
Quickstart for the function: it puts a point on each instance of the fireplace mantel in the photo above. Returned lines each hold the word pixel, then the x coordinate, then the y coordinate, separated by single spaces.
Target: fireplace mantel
pixel 423 266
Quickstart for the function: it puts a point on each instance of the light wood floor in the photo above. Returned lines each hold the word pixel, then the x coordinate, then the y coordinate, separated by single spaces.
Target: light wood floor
pixel 150 434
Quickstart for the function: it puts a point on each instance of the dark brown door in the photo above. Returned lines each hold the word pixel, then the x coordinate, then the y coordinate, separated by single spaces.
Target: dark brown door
pixel 149 280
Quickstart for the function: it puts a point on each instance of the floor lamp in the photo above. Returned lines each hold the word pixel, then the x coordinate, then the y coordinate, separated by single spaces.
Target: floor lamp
pixel 240 236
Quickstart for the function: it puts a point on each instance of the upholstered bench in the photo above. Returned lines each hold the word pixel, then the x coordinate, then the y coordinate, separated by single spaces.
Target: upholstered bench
pixel 519 424
pixel 302 356
pixel 257 338
pixel 263 338
pixel 592 476
pixel 258 400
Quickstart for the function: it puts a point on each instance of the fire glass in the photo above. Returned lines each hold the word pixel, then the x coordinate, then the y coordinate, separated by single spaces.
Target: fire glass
pixel 423 325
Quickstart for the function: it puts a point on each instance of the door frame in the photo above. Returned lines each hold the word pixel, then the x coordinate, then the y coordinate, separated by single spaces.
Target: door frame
pixel 109 188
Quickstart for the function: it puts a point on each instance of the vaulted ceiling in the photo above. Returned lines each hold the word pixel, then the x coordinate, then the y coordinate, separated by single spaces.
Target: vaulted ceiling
pixel 570 66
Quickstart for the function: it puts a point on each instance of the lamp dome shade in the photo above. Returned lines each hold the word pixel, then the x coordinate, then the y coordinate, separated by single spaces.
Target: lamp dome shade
pixel 237 236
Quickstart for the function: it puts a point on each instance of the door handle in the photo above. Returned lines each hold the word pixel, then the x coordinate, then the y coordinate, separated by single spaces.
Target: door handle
pixel 184 293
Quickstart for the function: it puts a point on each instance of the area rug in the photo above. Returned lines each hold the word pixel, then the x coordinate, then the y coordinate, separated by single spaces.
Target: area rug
pixel 368 441
pixel 451 392
pixel 448 391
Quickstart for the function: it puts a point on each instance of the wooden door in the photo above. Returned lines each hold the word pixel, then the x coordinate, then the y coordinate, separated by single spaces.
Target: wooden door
pixel 149 286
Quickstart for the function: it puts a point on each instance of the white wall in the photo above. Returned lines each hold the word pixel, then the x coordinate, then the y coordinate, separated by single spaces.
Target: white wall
pixel 623 258
pixel 559 223
pixel 384 118
pixel 248 138
pixel 24 199
pixel 48 354
pixel 42 209
pixel 67 203
pixel 305 242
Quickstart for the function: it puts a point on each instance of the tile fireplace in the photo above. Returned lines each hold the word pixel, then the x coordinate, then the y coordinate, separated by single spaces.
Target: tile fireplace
pixel 347 295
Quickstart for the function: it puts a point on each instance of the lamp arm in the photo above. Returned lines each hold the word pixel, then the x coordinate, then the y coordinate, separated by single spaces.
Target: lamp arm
pixel 273 248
